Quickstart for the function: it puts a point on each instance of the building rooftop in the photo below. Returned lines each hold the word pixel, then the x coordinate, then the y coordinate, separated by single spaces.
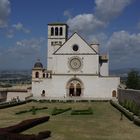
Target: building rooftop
pixel 103 58
pixel 38 64
pixel 57 23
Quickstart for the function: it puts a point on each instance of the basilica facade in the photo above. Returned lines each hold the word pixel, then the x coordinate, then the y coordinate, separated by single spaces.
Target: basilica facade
pixel 74 68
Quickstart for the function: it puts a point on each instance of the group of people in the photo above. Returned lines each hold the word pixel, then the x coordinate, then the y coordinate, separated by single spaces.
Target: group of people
pixel 15 99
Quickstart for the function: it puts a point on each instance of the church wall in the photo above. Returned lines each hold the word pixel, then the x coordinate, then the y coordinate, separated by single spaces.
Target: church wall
pixel 51 50
pixel 37 88
pixel 83 47
pixel 89 64
pixel 104 69
pixel 93 86
pixel 54 87
pixel 99 87
pixel 85 67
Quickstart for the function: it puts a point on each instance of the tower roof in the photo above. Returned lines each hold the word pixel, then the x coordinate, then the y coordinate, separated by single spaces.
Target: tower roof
pixel 58 23
pixel 38 64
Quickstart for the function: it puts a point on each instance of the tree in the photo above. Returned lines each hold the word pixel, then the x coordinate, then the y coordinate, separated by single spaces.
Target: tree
pixel 133 80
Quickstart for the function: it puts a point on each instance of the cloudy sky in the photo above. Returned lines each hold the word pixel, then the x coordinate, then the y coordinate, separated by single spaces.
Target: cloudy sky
pixel 115 24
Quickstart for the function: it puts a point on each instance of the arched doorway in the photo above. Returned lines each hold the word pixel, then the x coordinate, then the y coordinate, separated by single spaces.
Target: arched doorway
pixel 71 90
pixel 74 88
pixel 43 93
pixel 114 93
pixel 78 89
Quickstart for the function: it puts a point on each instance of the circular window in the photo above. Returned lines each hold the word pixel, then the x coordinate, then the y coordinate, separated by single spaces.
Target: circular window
pixel 75 47
pixel 75 63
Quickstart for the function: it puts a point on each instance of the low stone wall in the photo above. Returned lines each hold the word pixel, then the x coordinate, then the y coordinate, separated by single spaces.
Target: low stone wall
pixel 22 92
pixel 129 94
pixel 21 95
pixel 3 96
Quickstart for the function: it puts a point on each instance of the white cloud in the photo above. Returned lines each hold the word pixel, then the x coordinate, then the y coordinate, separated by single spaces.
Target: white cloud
pixel 28 47
pixel 10 30
pixel 105 10
pixel 101 39
pixel 109 9
pixel 98 38
pixel 10 33
pixel 124 48
pixel 19 27
pixel 4 12
pixel 85 23
pixel 23 54
pixel 13 29
pixel 67 13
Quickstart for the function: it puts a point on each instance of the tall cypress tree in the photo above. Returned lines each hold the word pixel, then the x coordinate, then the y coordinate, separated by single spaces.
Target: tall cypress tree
pixel 133 80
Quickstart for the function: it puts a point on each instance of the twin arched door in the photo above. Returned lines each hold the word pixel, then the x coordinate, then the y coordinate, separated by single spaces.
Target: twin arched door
pixel 74 88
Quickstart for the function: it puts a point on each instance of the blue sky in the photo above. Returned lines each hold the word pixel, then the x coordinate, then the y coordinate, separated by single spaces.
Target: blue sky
pixel 115 24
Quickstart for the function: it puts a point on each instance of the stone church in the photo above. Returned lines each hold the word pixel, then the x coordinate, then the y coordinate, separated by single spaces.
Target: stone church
pixel 74 69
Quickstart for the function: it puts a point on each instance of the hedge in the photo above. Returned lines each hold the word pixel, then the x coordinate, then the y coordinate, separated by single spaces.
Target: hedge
pixel 44 134
pixel 131 106
pixel 11 132
pixel 137 120
pixel 11 104
pixel 30 110
pixel 44 101
pixel 57 111
pixel 99 100
pixel 24 125
pixel 128 114
pixel 15 136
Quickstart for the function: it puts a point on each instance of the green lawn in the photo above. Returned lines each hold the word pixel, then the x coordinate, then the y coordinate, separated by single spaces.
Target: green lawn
pixel 104 124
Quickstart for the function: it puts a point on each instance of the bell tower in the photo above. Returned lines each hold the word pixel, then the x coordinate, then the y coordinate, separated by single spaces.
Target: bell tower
pixel 57 35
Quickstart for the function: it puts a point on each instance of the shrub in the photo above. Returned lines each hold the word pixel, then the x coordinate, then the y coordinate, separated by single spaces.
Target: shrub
pixel 137 110
pixel 99 100
pixel 70 101
pixel 34 100
pixel 128 114
pixel 12 136
pixel 24 125
pixel 11 132
pixel 62 101
pixel 30 110
pixel 82 100
pixel 12 104
pixel 121 103
pixel 44 134
pixel 131 106
pixel 44 101
pixel 137 120
pixel 57 111
pixel 33 110
pixel 21 112
pixel 133 80
pixel 15 136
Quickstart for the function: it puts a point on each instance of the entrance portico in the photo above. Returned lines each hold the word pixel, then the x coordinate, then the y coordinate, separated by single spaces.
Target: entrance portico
pixel 74 88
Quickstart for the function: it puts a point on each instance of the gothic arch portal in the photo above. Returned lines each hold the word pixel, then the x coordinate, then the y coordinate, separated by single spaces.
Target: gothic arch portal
pixel 74 88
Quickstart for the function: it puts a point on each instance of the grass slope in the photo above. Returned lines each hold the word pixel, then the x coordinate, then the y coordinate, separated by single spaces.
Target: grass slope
pixel 104 124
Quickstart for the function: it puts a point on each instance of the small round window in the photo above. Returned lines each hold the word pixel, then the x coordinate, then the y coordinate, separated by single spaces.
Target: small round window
pixel 75 47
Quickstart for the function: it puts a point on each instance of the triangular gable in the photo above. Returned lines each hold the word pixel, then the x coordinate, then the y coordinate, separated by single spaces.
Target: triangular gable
pixel 67 47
